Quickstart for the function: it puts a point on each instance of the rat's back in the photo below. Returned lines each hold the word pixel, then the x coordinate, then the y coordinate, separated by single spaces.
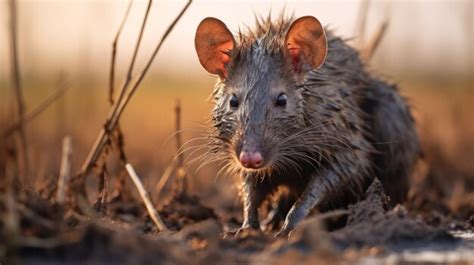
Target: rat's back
pixel 371 107
pixel 393 136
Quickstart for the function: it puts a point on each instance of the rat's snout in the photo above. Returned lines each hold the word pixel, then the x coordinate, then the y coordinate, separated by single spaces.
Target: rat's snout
pixel 251 159
pixel 249 143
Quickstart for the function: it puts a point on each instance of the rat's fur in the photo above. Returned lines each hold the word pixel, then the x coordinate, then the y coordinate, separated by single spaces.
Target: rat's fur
pixel 341 126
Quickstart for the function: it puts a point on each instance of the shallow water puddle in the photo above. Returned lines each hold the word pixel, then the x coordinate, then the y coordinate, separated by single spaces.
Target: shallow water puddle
pixel 461 253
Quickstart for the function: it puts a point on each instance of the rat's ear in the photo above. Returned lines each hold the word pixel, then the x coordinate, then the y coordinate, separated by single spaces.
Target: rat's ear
pixel 306 44
pixel 214 42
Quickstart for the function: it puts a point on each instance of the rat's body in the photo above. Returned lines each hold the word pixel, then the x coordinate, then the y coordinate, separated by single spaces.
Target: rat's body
pixel 288 115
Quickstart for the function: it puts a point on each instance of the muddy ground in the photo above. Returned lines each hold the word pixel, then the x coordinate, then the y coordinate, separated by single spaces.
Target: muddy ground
pixel 435 225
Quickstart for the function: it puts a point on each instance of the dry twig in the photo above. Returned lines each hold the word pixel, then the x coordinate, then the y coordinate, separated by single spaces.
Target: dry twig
pixel 123 100
pixel 368 47
pixel 34 217
pixel 146 199
pixel 114 53
pixel 164 178
pixel 113 118
pixel 181 181
pixel 65 170
pixel 38 110
pixel 362 22
pixel 374 42
pixel 177 111
pixel 177 165
pixel 117 137
pixel 101 204
pixel 20 101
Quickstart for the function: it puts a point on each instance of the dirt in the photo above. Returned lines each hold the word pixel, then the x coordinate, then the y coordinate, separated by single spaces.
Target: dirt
pixel 435 225
pixel 369 224
pixel 125 234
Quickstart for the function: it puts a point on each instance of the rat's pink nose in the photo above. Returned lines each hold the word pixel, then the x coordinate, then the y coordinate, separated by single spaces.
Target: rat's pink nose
pixel 251 159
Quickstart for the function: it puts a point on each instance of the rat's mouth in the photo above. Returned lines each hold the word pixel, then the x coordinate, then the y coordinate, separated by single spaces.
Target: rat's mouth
pixel 265 170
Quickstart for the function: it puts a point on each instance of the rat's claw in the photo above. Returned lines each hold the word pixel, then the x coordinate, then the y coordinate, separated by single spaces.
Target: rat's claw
pixel 284 232
pixel 241 232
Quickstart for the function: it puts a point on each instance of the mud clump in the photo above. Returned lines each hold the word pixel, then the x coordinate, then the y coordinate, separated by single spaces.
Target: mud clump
pixel 372 208
pixel 370 224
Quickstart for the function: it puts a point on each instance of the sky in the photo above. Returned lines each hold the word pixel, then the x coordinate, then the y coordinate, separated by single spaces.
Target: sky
pixel 75 36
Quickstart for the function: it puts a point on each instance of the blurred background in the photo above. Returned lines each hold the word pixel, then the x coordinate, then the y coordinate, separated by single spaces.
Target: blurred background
pixel 427 50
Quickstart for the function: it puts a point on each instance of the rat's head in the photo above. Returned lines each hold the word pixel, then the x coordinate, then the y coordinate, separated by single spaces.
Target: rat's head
pixel 257 100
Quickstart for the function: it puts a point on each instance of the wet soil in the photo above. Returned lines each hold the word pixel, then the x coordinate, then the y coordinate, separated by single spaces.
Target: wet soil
pixel 124 233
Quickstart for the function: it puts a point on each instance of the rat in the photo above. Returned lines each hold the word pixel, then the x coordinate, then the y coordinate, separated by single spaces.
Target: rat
pixel 296 108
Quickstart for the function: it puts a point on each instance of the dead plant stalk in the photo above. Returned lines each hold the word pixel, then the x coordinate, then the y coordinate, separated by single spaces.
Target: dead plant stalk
pixel 65 170
pixel 114 54
pixel 125 96
pixel 176 165
pixel 38 109
pixel 146 199
pixel 368 47
pixel 16 76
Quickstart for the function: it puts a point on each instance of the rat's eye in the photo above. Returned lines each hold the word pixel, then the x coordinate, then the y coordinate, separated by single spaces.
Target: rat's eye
pixel 234 102
pixel 281 100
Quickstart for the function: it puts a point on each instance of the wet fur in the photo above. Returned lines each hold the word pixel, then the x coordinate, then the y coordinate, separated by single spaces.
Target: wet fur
pixel 339 119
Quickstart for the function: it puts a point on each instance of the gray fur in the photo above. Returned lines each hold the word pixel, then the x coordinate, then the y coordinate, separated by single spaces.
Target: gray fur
pixel 341 126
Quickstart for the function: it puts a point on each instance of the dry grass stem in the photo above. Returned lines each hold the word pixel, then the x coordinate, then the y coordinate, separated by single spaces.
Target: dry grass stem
pixel 374 42
pixel 131 67
pixel 117 137
pixel 101 204
pixel 177 111
pixel 122 102
pixel 114 114
pixel 182 182
pixel 146 199
pixel 36 217
pixel 367 48
pixel 114 54
pixel 120 181
pixel 164 178
pixel 16 76
pixel 65 170
pixel 38 109
pixel 178 162
pixel 361 22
